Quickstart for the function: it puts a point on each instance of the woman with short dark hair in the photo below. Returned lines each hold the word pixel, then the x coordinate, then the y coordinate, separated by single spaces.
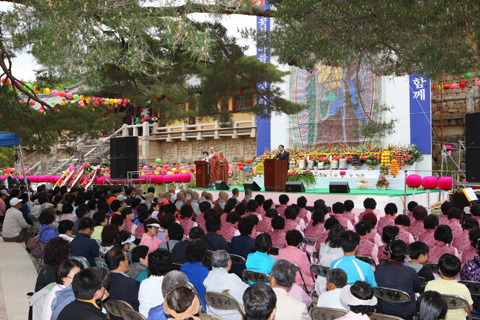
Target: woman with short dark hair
pixel 194 269
pixel 47 232
pixel 443 237
pixel 55 252
pixel 260 261
pixel 181 303
pixel 361 300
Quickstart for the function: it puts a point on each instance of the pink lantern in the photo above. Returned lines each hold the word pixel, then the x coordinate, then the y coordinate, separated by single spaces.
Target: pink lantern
pixel 168 178
pixel 145 167
pixel 69 96
pixel 186 177
pixel 139 167
pixel 430 182
pixel 82 179
pixel 454 86
pixel 478 84
pixel 414 181
pixel 176 178
pixel 100 180
pixel 55 93
pixel 445 183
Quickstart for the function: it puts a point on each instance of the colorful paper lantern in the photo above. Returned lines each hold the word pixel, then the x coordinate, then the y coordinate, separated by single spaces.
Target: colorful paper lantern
pixel 454 86
pixel 145 167
pixel 463 84
pixel 239 164
pixel 414 181
pixel 429 182
pixel 468 75
pixel 46 91
pixel 478 84
pixel 62 94
pixel 158 160
pixel 445 183
pixel 55 93
pixel 248 161
pixel 246 169
pixel 69 96
pixel 446 86
pixel 75 97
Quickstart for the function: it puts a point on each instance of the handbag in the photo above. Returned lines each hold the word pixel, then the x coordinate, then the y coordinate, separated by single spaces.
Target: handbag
pixel 34 245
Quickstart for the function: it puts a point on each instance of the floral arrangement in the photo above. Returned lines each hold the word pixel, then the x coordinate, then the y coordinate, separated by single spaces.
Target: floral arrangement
pixel 305 176
pixel 362 182
pixel 65 176
pixel 342 173
pixel 76 177
pixel 382 181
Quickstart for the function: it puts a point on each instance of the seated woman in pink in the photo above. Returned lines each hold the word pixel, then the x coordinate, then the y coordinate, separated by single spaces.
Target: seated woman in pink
pixel 316 226
pixel 265 226
pixel 366 247
pixel 278 234
pixel 187 223
pixel 290 219
pixel 389 234
pixel 430 224
pixel 303 213
pixel 349 205
pixel 149 238
pixel 472 250
pixel 419 215
pixel 339 208
pixel 373 236
pixel 252 207
pixel 462 242
pixel 294 255
pixel 454 216
pixel 389 219
pixel 443 237
pixel 229 229
pixel 403 223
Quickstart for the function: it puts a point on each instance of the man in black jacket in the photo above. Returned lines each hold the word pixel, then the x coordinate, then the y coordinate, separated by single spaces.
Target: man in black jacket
pixel 282 154
pixel 121 286
pixel 88 287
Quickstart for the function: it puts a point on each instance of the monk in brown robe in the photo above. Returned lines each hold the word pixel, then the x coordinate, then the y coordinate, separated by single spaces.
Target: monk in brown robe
pixel 223 168
pixel 214 168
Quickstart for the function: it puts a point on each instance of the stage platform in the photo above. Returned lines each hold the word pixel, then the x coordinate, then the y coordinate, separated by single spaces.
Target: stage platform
pixel 356 195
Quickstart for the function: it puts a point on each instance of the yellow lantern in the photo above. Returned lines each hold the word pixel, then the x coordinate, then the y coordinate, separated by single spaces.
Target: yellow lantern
pixel 63 103
pixel 439 88
pixel 82 97
pixel 46 91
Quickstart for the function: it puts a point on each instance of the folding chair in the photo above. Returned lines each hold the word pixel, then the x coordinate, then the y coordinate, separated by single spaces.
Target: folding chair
pixel 254 276
pixel 457 302
pixel 99 262
pixel 316 255
pixel 309 241
pixel 381 316
pixel 315 271
pixel 433 267
pixel 82 260
pixel 128 314
pixel 202 306
pixel 204 316
pixel 319 313
pixel 304 286
pixel 176 266
pixel 222 301
pixel 113 307
pixel 423 282
pixel 393 295
pixel 473 287
pixel 366 259
pixel 236 259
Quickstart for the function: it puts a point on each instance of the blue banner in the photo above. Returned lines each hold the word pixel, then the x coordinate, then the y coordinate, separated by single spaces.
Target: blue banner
pixel 420 113
pixel 263 54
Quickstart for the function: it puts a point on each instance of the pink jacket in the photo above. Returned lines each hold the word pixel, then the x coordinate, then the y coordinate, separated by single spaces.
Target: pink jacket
pixel 294 255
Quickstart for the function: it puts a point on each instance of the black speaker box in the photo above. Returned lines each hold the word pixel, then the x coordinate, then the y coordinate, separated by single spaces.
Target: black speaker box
pixel 339 187
pixel 220 185
pixel 252 185
pixel 472 160
pixel 294 186
pixel 472 134
pixel 120 166
pixel 124 147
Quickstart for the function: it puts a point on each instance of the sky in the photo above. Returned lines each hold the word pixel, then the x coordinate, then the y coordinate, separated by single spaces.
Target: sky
pixel 24 65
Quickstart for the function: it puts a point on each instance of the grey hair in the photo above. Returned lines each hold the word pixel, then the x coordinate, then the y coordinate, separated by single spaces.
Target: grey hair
pixel 180 195
pixel 172 280
pixel 220 259
pixel 224 195
pixel 194 195
pixel 148 196
pixel 204 193
pixel 338 277
pixel 208 196
pixel 284 273
pixel 139 191
pixel 167 196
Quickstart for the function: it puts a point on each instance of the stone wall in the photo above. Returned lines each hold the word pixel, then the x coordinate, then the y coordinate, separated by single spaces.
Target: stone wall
pixel 186 152
pixel 453 115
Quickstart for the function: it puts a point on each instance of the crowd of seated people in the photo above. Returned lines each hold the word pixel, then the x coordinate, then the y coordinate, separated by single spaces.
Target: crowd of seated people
pixel 163 254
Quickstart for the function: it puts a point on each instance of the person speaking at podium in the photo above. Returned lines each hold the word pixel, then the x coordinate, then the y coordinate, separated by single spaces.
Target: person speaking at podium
pixel 282 154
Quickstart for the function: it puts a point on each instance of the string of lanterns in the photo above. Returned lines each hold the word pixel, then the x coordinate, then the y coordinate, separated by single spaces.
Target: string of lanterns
pixel 454 86
pixel 71 98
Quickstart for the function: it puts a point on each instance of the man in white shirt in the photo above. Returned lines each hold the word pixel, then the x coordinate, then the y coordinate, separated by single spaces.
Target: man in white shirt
pixel 281 279
pixel 336 280
pixel 219 280
pixel 14 225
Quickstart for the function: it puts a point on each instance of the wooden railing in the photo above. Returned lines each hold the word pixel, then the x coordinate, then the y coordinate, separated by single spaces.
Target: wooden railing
pixel 194 131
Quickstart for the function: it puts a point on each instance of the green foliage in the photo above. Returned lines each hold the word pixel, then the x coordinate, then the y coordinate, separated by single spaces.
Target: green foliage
pixel 6 157
pixel 146 52
pixel 44 130
pixel 401 37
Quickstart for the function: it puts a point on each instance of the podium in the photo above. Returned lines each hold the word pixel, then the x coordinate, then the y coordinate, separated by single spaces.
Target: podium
pixel 275 174
pixel 202 174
